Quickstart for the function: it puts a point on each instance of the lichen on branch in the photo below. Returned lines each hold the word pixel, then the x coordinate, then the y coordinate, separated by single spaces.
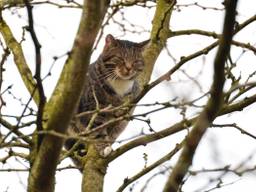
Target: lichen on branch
pixel 19 59
pixel 59 109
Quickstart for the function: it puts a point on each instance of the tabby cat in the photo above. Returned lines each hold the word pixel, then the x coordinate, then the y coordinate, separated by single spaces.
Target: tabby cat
pixel 110 79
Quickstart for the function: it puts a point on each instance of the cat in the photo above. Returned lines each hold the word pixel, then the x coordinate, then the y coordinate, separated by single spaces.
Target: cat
pixel 110 79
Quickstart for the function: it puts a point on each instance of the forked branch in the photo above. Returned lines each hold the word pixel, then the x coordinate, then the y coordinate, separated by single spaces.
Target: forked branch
pixel 59 110
pixel 213 105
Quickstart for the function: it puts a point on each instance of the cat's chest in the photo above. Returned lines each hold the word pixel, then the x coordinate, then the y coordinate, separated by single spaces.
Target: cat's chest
pixel 121 87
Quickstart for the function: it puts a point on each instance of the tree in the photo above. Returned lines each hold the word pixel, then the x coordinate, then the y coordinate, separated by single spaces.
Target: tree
pixel 42 147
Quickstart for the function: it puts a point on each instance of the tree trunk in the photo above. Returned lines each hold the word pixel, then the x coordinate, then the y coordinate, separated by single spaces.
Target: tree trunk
pixel 94 171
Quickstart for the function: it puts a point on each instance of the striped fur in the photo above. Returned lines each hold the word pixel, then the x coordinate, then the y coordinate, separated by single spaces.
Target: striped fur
pixel 111 78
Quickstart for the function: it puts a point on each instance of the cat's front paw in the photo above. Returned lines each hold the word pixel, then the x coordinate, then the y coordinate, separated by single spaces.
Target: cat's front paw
pixel 106 151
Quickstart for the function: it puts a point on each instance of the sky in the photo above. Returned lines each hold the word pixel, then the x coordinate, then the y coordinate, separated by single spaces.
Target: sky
pixel 56 29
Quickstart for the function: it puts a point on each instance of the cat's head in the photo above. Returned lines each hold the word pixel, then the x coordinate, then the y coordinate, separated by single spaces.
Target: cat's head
pixel 122 59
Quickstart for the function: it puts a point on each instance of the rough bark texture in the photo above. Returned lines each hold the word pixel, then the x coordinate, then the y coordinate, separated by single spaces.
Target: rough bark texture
pixel 159 35
pixel 70 85
pixel 61 105
pixel 95 166
pixel 19 59
pixel 44 159
pixel 94 171
pixel 10 3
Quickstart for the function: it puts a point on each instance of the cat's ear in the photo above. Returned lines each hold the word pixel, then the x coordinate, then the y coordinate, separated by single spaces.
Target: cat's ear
pixel 143 44
pixel 109 41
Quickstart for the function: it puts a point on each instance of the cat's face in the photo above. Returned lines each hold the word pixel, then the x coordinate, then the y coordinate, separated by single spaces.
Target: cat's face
pixel 122 59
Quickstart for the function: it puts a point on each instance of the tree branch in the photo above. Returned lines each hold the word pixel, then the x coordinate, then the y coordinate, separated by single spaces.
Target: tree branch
pixel 151 167
pixel 210 34
pixel 180 126
pixel 94 171
pixel 59 110
pixel 144 140
pixel 14 129
pixel 40 88
pixel 11 3
pixel 19 59
pixel 159 35
pixel 203 51
pixel 213 105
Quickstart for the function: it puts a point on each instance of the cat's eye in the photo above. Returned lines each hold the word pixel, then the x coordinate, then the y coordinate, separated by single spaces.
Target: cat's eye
pixel 139 64
pixel 107 57
pixel 113 60
pixel 118 60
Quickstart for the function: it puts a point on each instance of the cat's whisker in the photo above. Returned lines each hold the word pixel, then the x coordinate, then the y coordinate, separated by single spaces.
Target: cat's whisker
pixel 113 76
pixel 106 73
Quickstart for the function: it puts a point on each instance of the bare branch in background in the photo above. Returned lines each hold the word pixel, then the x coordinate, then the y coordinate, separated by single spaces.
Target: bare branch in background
pixel 19 59
pixel 4 57
pixel 177 92
pixel 147 169
pixel 213 105
pixel 37 76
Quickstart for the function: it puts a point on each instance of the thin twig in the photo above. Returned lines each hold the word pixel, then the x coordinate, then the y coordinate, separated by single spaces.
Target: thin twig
pixel 42 98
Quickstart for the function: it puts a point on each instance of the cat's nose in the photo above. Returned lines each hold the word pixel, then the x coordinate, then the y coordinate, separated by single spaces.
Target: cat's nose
pixel 129 66
pixel 126 71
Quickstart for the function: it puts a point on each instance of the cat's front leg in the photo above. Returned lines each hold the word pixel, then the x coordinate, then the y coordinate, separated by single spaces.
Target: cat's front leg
pixel 106 151
pixel 103 148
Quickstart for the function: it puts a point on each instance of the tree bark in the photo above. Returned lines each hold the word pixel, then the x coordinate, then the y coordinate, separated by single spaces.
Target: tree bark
pixel 59 110
pixel 158 36
pixel 213 105
pixel 19 59
pixel 95 166
pixel 94 171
